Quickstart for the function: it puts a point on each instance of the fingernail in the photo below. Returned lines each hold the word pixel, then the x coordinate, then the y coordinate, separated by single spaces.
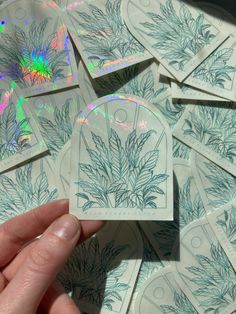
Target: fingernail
pixel 66 227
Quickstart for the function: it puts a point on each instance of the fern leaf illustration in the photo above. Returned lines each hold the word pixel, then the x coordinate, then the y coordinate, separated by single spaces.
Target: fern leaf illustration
pixel 107 36
pixel 182 305
pixel 171 111
pixel 166 236
pixel 118 156
pixel 216 130
pixel 29 58
pixel 214 278
pixel 189 209
pixel 57 131
pixel 214 69
pixel 96 268
pixel 21 194
pixel 178 36
pixel 228 224
pixel 12 132
pixel 121 170
pixel 180 150
pixel 221 187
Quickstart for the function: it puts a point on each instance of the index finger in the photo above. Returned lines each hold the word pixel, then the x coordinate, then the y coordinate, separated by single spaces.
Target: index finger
pixel 21 229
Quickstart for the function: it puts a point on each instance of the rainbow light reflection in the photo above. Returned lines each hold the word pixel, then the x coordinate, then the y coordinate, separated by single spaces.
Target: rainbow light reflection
pixel 20 115
pixel 6 98
pixel 35 67
pixel 2 25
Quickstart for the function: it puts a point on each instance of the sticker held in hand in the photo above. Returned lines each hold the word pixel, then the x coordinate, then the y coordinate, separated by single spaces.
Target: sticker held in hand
pixel 122 166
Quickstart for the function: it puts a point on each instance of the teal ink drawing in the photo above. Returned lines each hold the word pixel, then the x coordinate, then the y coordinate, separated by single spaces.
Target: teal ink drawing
pixel 150 263
pixel 178 36
pixel 180 150
pixel 214 279
pixel 132 81
pixel 214 70
pixel 123 171
pixel 221 185
pixel 93 271
pixel 228 224
pixel 171 111
pixel 190 207
pixel 14 133
pixel 29 58
pixel 57 132
pixel 24 192
pixel 214 127
pixel 105 35
pixel 166 236
pixel 184 87
pixel 182 305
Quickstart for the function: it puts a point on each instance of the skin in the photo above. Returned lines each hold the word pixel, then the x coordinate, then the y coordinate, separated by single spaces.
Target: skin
pixel 28 266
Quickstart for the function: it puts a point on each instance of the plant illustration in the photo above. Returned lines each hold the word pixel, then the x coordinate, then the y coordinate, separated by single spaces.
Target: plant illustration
pixel 171 111
pixel 228 224
pixel 178 36
pixel 122 171
pixel 130 80
pixel 30 58
pixel 215 279
pixel 24 192
pixel 151 263
pixel 215 127
pixel 184 87
pixel 190 207
pixel 182 305
pixel 14 133
pixel 96 273
pixel 57 131
pixel 214 69
pixel 106 36
pixel 222 187
pixel 168 232
pixel 180 150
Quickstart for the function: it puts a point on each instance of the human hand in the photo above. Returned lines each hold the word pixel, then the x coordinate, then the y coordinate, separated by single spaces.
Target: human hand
pixel 28 270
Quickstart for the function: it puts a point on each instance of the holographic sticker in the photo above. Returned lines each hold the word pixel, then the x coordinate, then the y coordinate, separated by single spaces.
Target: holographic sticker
pixel 161 294
pixel 26 187
pixel 122 161
pixel 188 207
pixel 56 114
pixel 101 36
pixel 107 265
pixel 217 73
pixel 204 271
pixel 63 168
pixel 142 80
pixel 35 50
pixel 20 138
pixel 216 186
pixel 210 129
pixel 184 91
pixel 85 84
pixel 223 222
pixel 177 34
pixel 151 264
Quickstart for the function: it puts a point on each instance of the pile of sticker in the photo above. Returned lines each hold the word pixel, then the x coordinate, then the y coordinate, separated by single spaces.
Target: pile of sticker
pixel 127 108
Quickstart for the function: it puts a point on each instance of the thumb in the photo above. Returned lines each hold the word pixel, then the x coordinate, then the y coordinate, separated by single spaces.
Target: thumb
pixel 41 266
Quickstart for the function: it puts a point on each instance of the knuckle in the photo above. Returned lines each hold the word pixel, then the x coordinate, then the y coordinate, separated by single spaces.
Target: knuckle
pixel 41 258
pixel 6 231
